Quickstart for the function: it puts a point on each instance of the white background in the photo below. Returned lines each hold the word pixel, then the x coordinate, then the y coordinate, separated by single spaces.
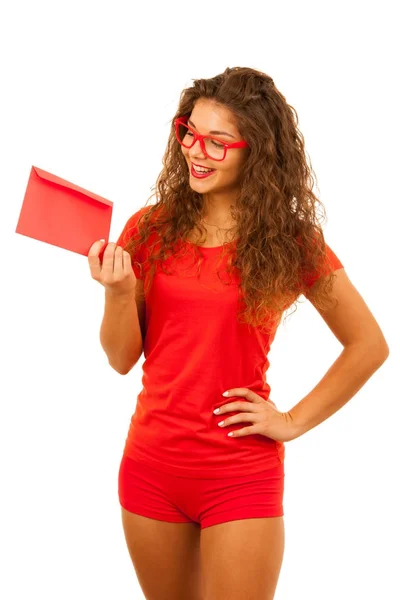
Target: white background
pixel 88 92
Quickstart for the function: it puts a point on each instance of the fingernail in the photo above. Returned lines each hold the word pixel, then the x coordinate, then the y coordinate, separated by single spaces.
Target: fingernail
pixel 225 394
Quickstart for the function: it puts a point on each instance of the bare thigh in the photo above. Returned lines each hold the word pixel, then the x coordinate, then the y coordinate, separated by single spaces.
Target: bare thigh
pixel 241 560
pixel 165 556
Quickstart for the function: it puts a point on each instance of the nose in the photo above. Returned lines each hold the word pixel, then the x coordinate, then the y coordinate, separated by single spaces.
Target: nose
pixel 196 149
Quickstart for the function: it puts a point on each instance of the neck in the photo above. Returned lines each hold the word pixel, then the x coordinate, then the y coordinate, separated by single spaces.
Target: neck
pixel 219 202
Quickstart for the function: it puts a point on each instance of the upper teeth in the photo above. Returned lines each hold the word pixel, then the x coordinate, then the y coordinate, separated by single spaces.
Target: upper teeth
pixel 201 169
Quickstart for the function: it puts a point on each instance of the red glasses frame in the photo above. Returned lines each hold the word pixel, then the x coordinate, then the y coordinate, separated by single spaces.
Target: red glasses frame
pixel 198 136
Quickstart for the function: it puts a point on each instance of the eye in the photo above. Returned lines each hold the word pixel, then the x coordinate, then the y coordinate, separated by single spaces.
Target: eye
pixel 216 144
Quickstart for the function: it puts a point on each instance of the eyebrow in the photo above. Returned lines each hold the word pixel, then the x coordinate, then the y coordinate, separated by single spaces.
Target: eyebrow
pixel 213 132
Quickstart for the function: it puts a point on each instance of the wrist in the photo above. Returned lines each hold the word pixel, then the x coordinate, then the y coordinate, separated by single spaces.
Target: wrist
pixel 118 297
pixel 296 428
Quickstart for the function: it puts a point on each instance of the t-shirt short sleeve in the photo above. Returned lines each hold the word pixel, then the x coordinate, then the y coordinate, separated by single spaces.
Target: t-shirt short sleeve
pixel 331 262
pixel 131 230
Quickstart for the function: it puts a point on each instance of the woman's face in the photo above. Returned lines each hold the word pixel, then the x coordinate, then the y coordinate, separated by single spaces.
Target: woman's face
pixel 208 117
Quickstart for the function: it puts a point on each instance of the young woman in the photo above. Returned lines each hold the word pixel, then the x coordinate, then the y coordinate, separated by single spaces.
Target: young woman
pixel 200 281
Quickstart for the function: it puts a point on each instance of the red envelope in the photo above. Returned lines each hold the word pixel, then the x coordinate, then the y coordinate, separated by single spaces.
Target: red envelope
pixel 63 214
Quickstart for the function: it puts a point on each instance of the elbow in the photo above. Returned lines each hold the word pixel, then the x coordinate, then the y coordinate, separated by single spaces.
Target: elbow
pixel 122 371
pixel 380 351
pixel 374 351
pixel 123 362
pixel 385 352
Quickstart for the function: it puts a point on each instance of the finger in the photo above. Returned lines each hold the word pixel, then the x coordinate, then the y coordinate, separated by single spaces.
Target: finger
pixel 236 406
pixel 242 432
pixel 118 265
pixel 95 248
pixel 94 260
pixel 236 392
pixel 240 418
pixel 127 262
pixel 108 259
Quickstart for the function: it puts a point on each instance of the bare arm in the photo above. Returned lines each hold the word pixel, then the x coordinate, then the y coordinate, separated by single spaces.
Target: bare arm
pixel 365 350
pixel 120 333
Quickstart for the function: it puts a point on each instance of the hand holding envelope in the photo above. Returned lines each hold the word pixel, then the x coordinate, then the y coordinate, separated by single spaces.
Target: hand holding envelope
pixel 63 214
pixel 115 271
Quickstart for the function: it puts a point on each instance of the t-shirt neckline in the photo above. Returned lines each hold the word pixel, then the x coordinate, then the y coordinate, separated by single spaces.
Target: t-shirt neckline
pixel 210 248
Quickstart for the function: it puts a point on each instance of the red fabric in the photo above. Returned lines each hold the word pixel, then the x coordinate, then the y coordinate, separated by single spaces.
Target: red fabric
pixel 146 491
pixel 331 261
pixel 194 350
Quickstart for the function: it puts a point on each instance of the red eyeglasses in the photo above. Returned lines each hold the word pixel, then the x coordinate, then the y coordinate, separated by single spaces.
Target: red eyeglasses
pixel 212 147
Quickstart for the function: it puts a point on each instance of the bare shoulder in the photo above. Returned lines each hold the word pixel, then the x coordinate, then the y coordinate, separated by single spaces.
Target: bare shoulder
pixel 351 320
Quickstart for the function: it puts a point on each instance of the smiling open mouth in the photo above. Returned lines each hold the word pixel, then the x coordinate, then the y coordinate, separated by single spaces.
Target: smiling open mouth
pixel 201 173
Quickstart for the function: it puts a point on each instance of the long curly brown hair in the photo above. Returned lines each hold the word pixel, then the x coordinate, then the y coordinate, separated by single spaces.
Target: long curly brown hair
pixel 279 237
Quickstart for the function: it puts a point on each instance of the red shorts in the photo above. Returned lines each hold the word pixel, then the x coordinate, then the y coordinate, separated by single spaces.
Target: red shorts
pixel 148 492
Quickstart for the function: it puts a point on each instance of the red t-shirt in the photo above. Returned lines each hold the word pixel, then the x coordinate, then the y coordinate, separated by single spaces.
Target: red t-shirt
pixel 194 350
